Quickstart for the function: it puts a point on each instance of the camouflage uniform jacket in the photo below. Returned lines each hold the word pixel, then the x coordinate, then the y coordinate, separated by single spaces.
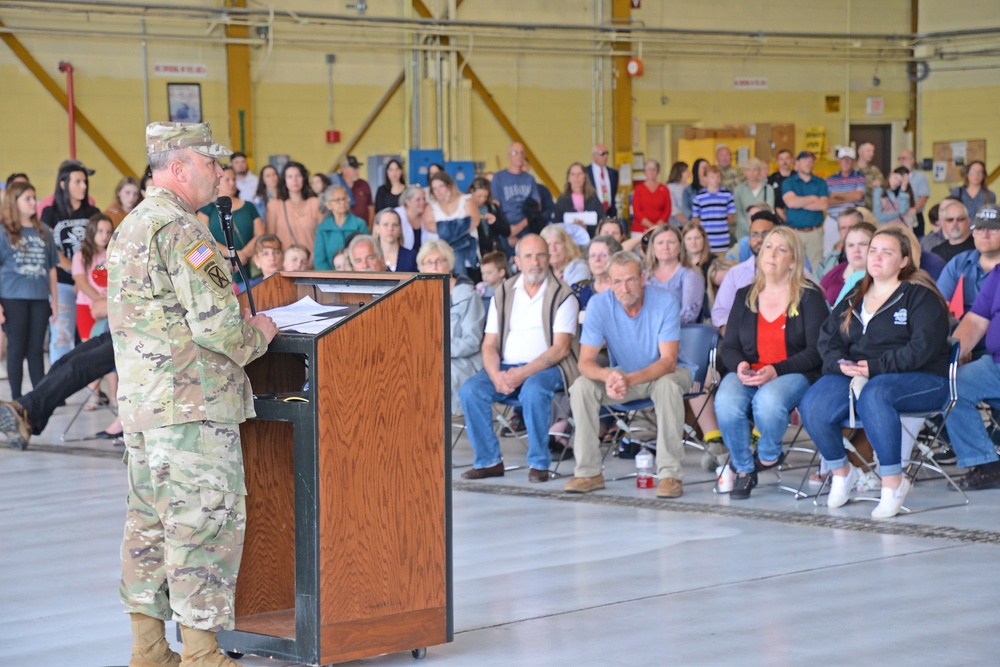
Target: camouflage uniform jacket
pixel 871 174
pixel 732 176
pixel 180 340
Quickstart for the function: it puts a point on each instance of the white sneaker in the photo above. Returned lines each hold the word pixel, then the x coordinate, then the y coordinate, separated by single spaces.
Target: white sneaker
pixel 727 477
pixel 841 487
pixel 891 501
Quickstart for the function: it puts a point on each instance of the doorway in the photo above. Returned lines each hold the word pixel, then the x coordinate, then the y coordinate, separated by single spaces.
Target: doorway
pixel 881 137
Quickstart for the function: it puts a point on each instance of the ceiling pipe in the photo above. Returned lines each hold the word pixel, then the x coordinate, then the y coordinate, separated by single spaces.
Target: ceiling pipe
pixel 67 69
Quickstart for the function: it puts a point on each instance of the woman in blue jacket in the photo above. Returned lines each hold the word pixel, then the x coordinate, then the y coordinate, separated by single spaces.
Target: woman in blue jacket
pixel 885 351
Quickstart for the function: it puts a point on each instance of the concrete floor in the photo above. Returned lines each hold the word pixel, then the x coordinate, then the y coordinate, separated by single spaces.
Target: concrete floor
pixel 544 578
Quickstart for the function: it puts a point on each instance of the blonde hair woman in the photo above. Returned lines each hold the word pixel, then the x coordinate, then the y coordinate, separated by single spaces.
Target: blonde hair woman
pixel 565 257
pixel 665 268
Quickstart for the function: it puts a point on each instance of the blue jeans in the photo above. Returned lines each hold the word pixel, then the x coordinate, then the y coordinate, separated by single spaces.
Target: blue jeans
pixel 478 396
pixel 62 334
pixel 769 405
pixel 825 407
pixel 977 381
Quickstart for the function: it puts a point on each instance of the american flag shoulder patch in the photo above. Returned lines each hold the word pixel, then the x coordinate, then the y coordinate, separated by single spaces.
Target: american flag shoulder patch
pixel 200 254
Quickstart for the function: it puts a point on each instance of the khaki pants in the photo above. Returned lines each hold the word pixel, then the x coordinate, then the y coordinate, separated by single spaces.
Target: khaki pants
pixel 667 393
pixel 813 241
pixel 185 524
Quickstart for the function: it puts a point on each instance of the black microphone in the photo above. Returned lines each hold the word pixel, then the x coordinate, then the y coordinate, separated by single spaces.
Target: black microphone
pixel 225 208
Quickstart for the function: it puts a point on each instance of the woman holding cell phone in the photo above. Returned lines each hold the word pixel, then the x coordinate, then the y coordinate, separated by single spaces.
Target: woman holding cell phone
pixel 770 345
pixel 885 351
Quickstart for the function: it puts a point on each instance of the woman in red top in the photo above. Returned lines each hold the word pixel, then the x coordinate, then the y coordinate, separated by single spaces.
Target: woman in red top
pixel 770 350
pixel 650 202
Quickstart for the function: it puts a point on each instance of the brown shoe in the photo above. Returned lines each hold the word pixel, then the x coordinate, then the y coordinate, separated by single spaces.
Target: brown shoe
pixel 536 475
pixel 483 473
pixel 14 425
pixel 669 488
pixel 584 484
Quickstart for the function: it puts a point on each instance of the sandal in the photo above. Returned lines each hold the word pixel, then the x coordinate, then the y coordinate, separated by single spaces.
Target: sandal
pixel 98 402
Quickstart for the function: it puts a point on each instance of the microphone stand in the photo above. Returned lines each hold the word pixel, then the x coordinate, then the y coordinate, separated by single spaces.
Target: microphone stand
pixel 225 207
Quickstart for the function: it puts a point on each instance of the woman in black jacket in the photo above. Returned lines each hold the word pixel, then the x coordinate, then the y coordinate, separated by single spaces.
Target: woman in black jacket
pixel 771 345
pixel 885 351
pixel 578 196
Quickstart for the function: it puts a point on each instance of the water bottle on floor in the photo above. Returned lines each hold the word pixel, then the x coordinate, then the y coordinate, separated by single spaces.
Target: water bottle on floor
pixel 644 469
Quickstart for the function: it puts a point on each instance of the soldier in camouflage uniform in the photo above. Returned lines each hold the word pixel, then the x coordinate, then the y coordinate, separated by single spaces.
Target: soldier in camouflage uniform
pixel 180 345
pixel 873 175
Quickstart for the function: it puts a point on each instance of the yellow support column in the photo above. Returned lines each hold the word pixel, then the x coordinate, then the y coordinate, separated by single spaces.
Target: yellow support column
pixel 621 14
pixel 240 91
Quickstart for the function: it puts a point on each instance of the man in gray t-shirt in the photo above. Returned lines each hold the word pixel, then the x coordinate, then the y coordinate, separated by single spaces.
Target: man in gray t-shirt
pixel 511 187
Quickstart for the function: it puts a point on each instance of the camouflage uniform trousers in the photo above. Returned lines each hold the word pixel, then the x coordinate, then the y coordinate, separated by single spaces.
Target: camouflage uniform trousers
pixel 185 524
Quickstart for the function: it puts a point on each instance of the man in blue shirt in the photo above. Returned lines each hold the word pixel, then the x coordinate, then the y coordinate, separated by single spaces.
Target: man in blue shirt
pixel 640 325
pixel 806 197
pixel 511 187
pixel 972 266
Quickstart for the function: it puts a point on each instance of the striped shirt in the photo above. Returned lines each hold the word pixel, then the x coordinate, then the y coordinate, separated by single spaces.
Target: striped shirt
pixel 853 182
pixel 714 209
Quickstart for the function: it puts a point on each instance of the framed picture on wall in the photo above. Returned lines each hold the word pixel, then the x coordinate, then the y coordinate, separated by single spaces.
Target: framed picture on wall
pixel 184 102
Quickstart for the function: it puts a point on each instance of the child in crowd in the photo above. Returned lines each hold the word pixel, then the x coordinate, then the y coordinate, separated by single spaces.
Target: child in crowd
pixel 90 274
pixel 341 262
pixel 267 255
pixel 28 261
pixel 296 258
pixel 494 270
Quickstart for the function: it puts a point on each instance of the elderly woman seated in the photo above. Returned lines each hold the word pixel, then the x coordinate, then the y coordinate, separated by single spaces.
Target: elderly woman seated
pixel 770 351
pixel 565 256
pixel 467 316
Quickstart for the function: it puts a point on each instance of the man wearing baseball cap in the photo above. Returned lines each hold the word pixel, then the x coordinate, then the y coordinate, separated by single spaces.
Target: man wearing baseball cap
pixel 847 190
pixel 979 380
pixel 180 346
pixel 806 197
pixel 362 204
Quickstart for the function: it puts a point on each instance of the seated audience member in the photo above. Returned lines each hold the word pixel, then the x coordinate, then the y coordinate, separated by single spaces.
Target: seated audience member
pixel 929 262
pixel 296 258
pixel 528 359
pixel 740 251
pixel 697 253
pixel 717 271
pixel 269 256
pixel 494 272
pixel 598 255
pixel 127 195
pixel 934 235
pixel 651 204
pixel 612 227
pixel 365 254
pixel 954 219
pixel 770 347
pixel 294 214
pixel 453 218
pixel 342 261
pixel 845 275
pixel 742 274
pixel 337 227
pixel 891 204
pixel 754 190
pixel 979 380
pixel 971 267
pixel 493 227
pixel 665 269
pixel 565 257
pixel 577 197
pixel 412 204
pixel 640 325
pixel 714 209
pixel 388 229
pixel 973 194
pixel 467 316
pixel 845 220
pixel 885 351
pixel 29 414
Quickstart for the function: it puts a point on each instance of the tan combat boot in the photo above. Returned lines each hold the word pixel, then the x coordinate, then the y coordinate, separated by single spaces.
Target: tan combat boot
pixel 150 647
pixel 201 649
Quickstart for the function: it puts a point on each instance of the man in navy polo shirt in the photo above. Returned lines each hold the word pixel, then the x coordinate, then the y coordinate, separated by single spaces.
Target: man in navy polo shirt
pixel 806 198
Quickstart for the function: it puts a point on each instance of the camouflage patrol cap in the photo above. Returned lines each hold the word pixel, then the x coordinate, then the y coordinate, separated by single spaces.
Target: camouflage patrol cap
pixel 162 137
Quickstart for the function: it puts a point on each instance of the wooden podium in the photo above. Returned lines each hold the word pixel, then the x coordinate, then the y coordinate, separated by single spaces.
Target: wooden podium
pixel 348 544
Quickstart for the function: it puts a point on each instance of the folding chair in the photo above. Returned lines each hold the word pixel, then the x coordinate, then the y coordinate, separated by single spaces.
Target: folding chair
pixel 698 342
pixel 923 448
pixel 65 437
pixel 503 421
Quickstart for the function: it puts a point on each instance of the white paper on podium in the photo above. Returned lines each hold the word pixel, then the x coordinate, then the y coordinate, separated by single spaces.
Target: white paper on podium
pixel 303 311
